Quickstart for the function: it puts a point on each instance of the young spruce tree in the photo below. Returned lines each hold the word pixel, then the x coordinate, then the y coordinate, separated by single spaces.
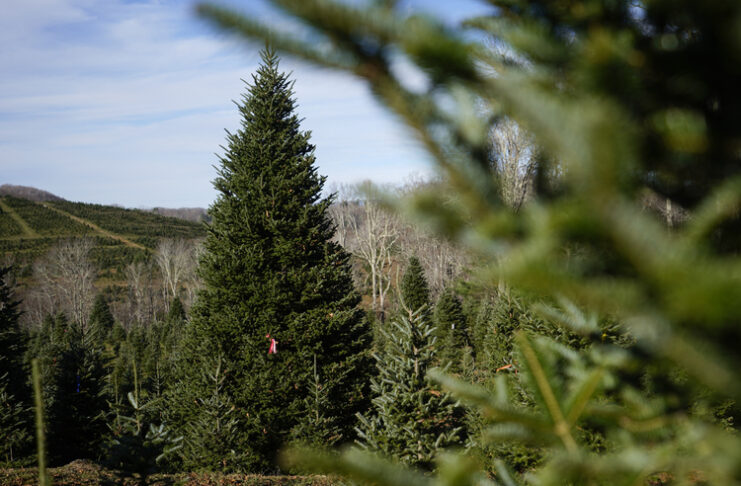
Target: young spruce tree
pixel 410 421
pixel 270 268
pixel 415 292
pixel 452 330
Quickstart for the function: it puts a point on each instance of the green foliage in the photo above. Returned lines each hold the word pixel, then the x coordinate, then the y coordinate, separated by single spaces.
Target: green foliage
pixel 8 226
pixel 49 222
pixel 15 432
pixel 176 314
pixel 318 428
pixel 134 222
pixel 78 401
pixel 111 257
pixel 213 437
pixel 500 320
pixel 620 98
pixel 13 369
pixel 271 268
pixel 410 421
pixel 143 361
pixel 14 391
pixel 101 319
pixel 415 292
pixel 138 445
pixel 45 221
pixel 451 330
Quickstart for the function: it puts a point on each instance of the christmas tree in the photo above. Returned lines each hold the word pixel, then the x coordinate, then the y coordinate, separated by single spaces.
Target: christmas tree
pixel 78 399
pixel 14 397
pixel 214 432
pixel 452 330
pixel 415 292
pixel 274 281
pixel 101 318
pixel 410 420
pixel 139 445
pixel 15 437
pixel 622 99
pixel 12 339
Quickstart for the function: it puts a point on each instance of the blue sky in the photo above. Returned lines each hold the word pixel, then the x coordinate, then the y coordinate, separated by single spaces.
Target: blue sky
pixel 126 102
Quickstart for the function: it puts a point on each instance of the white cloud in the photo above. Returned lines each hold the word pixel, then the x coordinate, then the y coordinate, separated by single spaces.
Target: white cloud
pixel 126 103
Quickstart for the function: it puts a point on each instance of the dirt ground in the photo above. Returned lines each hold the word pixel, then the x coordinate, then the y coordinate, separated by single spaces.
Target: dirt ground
pixel 86 473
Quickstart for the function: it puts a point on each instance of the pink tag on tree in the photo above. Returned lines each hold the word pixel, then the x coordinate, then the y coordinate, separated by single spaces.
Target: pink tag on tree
pixel 273 345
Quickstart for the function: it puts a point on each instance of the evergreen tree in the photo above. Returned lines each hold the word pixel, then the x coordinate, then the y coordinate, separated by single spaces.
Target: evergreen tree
pixel 452 330
pixel 214 441
pixel 410 421
pixel 15 437
pixel 60 334
pixel 12 340
pixel 176 314
pixel 76 423
pixel 101 317
pixel 163 338
pixel 139 445
pixel 271 269
pixel 118 335
pixel 415 292
pixel 318 428
pixel 14 392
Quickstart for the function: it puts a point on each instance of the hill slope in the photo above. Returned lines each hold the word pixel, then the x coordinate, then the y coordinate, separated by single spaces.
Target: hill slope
pixel 28 229
pixel 26 192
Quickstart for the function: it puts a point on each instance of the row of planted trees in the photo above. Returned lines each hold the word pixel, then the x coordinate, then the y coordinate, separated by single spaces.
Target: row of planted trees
pixel 117 396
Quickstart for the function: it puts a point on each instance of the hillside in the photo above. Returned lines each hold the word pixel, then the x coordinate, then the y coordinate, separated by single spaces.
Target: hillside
pixel 26 192
pixel 189 214
pixel 28 229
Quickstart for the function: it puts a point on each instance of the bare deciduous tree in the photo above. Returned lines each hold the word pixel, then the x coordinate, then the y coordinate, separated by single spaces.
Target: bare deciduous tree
pixel 379 240
pixel 515 163
pixel 370 234
pixel 341 212
pixel 66 276
pixel 142 302
pixel 175 259
pixel 192 282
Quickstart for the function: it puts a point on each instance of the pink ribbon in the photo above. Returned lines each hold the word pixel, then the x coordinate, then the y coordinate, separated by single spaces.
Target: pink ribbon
pixel 273 345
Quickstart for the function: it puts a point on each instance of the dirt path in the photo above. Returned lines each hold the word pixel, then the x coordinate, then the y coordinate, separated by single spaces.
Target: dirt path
pixel 97 228
pixel 27 230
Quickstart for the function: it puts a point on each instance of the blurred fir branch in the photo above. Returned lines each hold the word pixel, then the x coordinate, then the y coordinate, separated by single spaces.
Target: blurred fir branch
pixel 618 97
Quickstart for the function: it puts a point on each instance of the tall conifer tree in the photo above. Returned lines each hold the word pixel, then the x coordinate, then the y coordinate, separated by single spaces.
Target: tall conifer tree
pixel 270 268
pixel 415 292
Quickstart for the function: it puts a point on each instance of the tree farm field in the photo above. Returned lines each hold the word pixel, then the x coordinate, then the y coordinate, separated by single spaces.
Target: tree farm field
pixel 556 302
